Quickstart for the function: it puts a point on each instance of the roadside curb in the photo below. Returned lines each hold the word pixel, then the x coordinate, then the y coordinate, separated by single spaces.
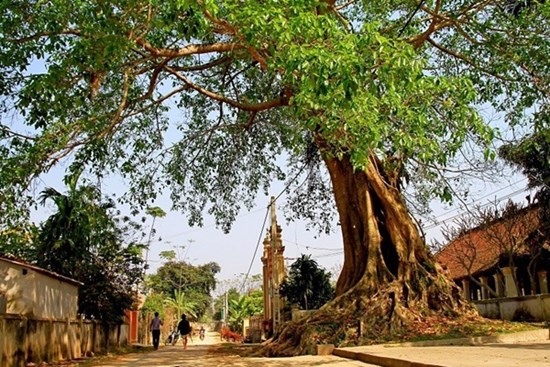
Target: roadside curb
pixel 376 359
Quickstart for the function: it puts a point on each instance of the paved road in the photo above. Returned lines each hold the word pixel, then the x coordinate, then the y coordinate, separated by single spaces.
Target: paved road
pixel 523 349
pixel 526 354
pixel 207 354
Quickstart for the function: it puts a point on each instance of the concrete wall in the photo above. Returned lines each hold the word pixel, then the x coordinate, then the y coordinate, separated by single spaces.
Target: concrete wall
pixel 538 306
pixel 24 340
pixel 252 329
pixel 25 291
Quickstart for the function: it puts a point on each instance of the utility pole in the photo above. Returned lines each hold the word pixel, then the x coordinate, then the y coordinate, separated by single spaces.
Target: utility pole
pixel 226 309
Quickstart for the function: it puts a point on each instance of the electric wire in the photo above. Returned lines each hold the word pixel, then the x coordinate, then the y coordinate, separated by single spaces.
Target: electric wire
pixel 256 249
pixel 410 17
pixel 483 197
pixel 443 221
pixel 265 219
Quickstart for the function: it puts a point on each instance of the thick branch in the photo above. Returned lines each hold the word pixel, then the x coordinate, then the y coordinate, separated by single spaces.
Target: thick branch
pixel 36 36
pixel 189 50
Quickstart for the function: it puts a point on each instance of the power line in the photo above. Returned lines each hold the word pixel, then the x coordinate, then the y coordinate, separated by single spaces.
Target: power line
pixel 443 221
pixel 265 219
pixel 323 248
pixel 208 226
pixel 483 197
pixel 328 255
pixel 312 247
pixel 256 249
pixel 410 17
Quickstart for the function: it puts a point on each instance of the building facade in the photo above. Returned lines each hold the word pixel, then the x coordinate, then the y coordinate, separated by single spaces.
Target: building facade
pixel 31 291
pixel 499 261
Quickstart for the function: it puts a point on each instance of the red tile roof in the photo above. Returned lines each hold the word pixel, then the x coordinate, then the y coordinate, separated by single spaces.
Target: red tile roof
pixel 481 248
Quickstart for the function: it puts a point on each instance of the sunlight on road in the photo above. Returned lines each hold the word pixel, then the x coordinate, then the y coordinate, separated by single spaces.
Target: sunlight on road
pixel 204 354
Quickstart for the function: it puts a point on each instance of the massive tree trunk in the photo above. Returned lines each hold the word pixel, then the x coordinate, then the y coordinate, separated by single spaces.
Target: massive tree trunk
pixel 390 284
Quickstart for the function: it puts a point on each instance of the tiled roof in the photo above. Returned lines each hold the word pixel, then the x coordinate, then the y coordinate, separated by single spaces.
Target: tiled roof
pixel 481 248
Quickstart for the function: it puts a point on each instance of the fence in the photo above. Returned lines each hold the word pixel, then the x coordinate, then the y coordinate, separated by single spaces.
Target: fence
pixel 535 308
pixel 24 340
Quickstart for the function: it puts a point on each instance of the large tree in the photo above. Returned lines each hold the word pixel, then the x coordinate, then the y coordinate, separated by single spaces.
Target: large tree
pixel 201 98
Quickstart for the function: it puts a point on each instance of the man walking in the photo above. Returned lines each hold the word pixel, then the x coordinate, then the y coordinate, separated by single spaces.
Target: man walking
pixel 155 325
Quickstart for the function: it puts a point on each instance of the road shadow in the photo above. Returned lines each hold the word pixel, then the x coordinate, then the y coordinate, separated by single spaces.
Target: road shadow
pixel 541 345
pixel 225 355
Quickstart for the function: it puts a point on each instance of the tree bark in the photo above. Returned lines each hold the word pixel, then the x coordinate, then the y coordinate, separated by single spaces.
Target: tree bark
pixel 382 245
pixel 390 283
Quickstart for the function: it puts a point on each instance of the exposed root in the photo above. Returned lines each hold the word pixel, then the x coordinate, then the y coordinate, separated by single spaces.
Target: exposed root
pixel 356 318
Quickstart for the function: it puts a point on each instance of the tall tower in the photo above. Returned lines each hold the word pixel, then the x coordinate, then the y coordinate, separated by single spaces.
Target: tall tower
pixel 273 273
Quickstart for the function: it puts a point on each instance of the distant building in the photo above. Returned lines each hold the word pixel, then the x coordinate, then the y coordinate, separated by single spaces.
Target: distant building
pixel 31 291
pixel 499 259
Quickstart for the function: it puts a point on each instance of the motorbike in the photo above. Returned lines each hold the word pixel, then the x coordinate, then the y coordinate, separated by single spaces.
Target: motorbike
pixel 172 338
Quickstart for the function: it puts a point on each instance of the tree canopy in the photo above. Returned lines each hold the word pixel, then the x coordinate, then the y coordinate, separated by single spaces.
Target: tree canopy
pixel 186 285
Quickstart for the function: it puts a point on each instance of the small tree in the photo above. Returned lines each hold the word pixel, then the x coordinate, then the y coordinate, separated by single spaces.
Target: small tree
pixel 197 282
pixel 181 303
pixel 242 307
pixel 307 284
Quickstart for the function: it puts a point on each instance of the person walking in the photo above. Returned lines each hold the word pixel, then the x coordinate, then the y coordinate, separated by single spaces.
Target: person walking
pixel 185 329
pixel 154 327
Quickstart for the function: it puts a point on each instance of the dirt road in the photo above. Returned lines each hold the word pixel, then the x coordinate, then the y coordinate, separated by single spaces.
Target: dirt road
pixel 210 353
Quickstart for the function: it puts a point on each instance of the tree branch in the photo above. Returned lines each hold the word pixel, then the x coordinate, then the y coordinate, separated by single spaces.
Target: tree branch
pixel 277 102
pixel 189 50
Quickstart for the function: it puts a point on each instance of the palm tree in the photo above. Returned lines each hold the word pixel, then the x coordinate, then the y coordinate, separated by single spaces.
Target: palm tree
pixel 69 236
pixel 182 304
pixel 82 240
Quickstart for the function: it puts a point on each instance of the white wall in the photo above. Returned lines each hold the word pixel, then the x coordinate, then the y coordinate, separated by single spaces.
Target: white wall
pixel 26 291
pixel 538 306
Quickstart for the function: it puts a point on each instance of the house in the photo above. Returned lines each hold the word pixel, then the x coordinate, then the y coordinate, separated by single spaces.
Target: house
pixel 501 259
pixel 31 291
